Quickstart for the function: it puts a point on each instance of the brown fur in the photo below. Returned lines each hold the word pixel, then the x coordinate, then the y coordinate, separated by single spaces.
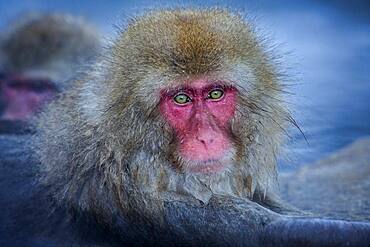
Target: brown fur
pixel 49 45
pixel 104 146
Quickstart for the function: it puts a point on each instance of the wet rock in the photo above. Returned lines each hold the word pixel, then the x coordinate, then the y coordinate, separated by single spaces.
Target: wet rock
pixel 335 187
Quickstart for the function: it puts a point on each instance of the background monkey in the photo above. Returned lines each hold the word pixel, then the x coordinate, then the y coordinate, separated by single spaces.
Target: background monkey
pixel 174 137
pixel 39 55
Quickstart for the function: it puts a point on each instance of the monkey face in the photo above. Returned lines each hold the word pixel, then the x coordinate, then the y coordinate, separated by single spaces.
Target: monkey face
pixel 22 96
pixel 199 113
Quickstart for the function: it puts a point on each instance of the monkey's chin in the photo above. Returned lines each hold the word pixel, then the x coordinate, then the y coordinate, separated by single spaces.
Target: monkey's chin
pixel 207 166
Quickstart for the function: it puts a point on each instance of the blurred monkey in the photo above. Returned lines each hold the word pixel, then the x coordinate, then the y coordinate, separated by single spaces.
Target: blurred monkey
pixel 39 55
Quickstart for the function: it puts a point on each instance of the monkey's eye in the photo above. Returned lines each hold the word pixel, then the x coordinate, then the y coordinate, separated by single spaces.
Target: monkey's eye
pixel 216 94
pixel 181 99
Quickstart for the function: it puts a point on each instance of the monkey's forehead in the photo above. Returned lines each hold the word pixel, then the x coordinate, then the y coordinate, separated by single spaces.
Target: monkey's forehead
pixel 187 41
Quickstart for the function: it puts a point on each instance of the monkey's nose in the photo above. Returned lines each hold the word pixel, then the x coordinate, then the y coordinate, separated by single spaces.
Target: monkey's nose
pixel 205 140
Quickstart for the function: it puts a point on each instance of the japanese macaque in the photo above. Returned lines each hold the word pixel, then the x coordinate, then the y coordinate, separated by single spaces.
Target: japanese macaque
pixel 177 128
pixel 39 55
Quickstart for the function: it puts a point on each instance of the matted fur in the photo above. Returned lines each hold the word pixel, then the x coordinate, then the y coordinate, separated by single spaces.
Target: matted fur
pixel 104 146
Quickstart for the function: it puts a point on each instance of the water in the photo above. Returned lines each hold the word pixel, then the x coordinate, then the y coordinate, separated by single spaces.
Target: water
pixel 328 46
pixel 332 51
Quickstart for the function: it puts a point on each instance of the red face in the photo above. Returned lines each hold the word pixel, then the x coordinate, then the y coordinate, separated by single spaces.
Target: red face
pixel 200 115
pixel 22 96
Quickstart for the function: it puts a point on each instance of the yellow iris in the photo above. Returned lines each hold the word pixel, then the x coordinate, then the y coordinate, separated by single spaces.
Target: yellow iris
pixel 216 94
pixel 181 99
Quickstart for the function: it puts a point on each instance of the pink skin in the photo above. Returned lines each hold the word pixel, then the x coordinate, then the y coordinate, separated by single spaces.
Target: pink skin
pixel 201 124
pixel 22 99
pixel 23 103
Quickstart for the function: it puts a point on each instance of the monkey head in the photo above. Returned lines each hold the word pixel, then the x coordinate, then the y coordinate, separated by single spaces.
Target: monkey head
pixel 39 55
pixel 48 45
pixel 196 92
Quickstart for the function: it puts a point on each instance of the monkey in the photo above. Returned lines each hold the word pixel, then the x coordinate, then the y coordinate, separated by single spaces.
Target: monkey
pixel 40 54
pixel 172 140
pixel 144 84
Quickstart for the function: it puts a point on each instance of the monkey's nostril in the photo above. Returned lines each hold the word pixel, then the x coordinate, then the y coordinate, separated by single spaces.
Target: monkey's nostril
pixel 201 140
pixel 205 142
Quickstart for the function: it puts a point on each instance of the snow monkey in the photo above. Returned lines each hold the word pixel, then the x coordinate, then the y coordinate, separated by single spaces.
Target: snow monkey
pixel 177 127
pixel 39 54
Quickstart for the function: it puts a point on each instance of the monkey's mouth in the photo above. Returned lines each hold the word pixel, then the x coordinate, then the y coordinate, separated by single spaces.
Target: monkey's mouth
pixel 207 166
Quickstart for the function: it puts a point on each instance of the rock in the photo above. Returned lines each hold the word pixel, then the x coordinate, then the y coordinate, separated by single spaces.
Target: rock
pixel 335 187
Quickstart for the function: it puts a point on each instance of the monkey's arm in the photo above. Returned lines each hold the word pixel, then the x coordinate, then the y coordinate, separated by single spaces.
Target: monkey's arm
pixel 227 221
pixel 315 232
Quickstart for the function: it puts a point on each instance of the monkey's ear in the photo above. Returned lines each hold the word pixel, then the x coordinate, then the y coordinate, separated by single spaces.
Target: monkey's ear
pixel 316 232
